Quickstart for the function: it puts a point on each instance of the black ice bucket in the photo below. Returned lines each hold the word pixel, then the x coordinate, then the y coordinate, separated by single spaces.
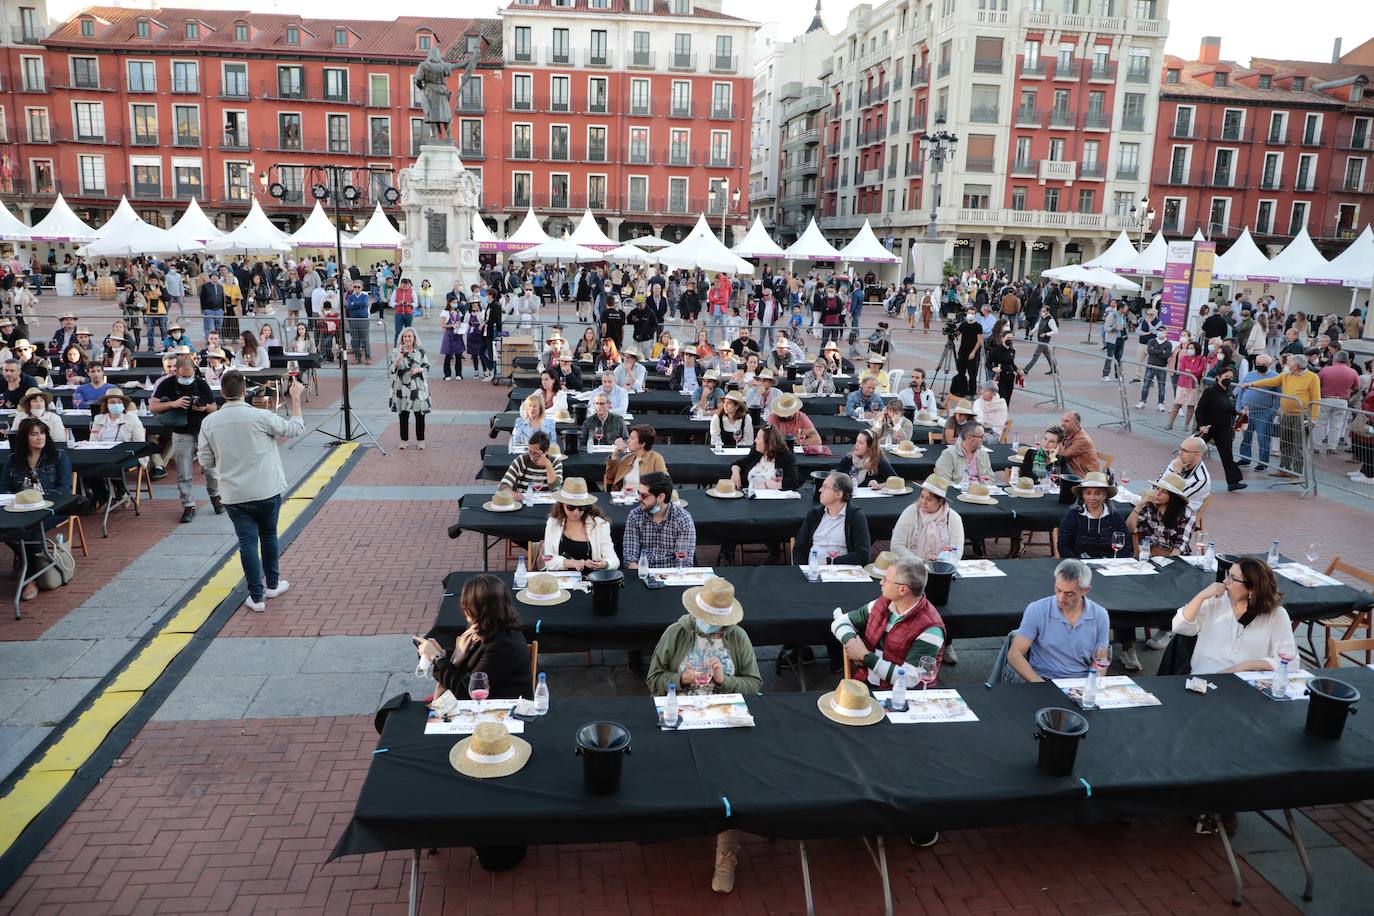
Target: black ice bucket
pixel 1059 732
pixel 1329 702
pixel 606 586
pixel 602 747
pixel 1066 484
pixel 939 577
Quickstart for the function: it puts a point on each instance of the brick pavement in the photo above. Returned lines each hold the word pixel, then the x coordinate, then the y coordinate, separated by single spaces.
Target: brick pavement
pixel 238 817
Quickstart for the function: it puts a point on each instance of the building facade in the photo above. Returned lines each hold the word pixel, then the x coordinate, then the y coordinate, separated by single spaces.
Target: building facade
pixel 1053 111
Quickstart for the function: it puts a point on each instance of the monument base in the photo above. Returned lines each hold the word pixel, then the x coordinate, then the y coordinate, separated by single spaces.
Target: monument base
pixel 440 197
pixel 929 257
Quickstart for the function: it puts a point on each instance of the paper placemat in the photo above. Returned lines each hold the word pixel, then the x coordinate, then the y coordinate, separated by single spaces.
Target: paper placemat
pixel 1114 692
pixel 731 451
pixel 600 449
pixel 1303 574
pixel 463 720
pixel 1130 568
pixel 776 494
pixel 1264 682
pixel 721 710
pixel 690 576
pixel 927 706
pixel 88 444
pixel 844 573
pixel 871 493
pixel 978 569
pixel 539 499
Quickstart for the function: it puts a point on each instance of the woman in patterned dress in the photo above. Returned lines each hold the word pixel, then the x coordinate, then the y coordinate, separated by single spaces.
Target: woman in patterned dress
pixel 410 385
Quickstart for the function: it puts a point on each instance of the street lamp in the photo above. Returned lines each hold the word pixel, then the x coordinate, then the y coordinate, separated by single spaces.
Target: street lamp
pixel 728 200
pixel 938 147
pixel 1143 216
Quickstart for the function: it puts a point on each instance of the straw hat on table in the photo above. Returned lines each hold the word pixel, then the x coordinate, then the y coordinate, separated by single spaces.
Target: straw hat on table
pixel 725 489
pixel 574 493
pixel 501 501
pixel 490 752
pixel 543 589
pixel 1025 488
pixel 28 501
pixel 850 704
pixel 977 493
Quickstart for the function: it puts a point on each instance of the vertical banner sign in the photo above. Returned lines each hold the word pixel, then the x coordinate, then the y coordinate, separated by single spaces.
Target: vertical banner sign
pixel 1204 257
pixel 1178 280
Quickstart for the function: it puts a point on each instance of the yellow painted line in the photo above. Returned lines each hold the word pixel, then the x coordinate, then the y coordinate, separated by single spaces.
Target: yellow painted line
pixel 40 786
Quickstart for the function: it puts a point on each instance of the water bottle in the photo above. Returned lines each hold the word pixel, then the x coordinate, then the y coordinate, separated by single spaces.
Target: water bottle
pixel 898 699
pixel 1090 689
pixel 670 707
pixel 541 695
pixel 643 566
pixel 1273 554
pixel 948 555
pixel 522 575
pixel 1279 688
pixel 1144 550
pixel 1210 558
pixel 813 565
pixel 71 439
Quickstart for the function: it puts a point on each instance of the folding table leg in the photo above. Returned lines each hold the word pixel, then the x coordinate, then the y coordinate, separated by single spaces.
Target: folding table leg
pixel 1292 835
pixel 1231 858
pixel 880 861
pixel 806 879
pixel 414 883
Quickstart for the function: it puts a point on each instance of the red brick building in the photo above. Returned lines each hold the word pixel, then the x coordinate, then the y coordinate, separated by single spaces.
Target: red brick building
pixel 1272 147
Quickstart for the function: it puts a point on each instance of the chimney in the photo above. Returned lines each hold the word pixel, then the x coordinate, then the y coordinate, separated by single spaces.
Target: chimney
pixel 1210 52
pixel 1336 52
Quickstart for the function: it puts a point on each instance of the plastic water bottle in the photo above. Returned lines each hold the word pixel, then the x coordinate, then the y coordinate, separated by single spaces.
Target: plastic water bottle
pixel 670 707
pixel 541 695
pixel 522 574
pixel 1279 687
pixel 898 698
pixel 1090 689
pixel 71 439
pixel 813 565
pixel 1144 550
pixel 948 555
pixel 643 566
pixel 1273 554
pixel 1210 558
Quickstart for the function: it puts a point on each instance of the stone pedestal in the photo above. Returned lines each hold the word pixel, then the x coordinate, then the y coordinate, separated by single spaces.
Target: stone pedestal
pixel 439 197
pixel 929 257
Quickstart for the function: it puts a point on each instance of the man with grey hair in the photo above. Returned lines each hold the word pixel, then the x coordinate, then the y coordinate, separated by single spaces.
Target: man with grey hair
pixel 1338 382
pixel 1301 400
pixel 618 398
pixel 898 629
pixel 1060 636
pixel 1189 465
pixel 185 391
pixel 602 426
pixel 835 528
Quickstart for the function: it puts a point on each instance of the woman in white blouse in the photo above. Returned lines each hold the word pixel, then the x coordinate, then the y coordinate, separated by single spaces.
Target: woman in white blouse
pixel 577 534
pixel 990 410
pixel 1238 622
pixel 251 355
pixel 38 403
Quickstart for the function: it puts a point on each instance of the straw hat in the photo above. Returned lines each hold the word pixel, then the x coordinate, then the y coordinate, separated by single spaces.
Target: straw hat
pixel 558 337
pixel 964 406
pixel 491 751
pixel 937 485
pixel 908 449
pixel 28 501
pixel 6 322
pixel 724 489
pixel 712 375
pixel 830 345
pixel 553 451
pixel 216 353
pixel 677 499
pixel 925 416
pixel 1095 480
pixel 83 330
pixel 560 415
pixel 543 589
pixel 574 493
pixel 175 326
pixel 1171 483
pixel 116 393
pixel 878 567
pixel 977 493
pixel 875 359
pixel 65 315
pixel 736 396
pixel 689 350
pixel 895 486
pixel 630 351
pixel 21 343
pixel 713 602
pixel 565 356
pixel 787 406
pixel 850 704
pixel 45 395
pixel 764 375
pixel 1025 488
pixel 501 501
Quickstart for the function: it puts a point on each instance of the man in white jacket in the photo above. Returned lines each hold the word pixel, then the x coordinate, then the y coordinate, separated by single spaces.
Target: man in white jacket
pixel 1045 329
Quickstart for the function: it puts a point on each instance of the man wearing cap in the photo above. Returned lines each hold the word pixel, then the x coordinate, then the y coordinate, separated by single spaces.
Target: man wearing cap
pixel 761 393
pixel 187 392
pixel 630 375
pixel 33 365
pixel 897 630
pixel 602 426
pixel 567 372
pixel 788 418
pixel 965 461
pixel 686 377
pixel 865 400
pixel 176 337
pixel 64 336
pixel 1059 635
pixel 781 358
pixel 1077 448
pixel 875 371
pixel 657 529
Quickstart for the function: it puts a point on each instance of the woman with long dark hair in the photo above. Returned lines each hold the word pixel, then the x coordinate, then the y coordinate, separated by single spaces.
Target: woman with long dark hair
pixel 1239 623
pixel 1163 516
pixel 35 463
pixel 769 466
pixel 866 464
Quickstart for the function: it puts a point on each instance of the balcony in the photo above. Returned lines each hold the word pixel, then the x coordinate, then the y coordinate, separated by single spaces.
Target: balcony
pixel 921 77
pixel 595 152
pixel 1178 178
pixel 1183 132
pixel 943 70
pixel 868 177
pixel 80 84
pixel 870 136
pixel 680 110
pixel 982 114
pixel 1134 122
pixel 1097 120
pixel 1100 73
pixel 1062 117
pixel 186 139
pixel 192 87
pixel 140 138
pixel 980 164
pixel 1077 22
pixel 303 92
pixel 1233 135
pixel 1128 173
pixel 147 191
pixel 1025 168
pixel 640 60
pixel 234 94
pixel 1137 74
pixel 1311 139
pixel 916 122
pixel 1351 184
pixel 43 135
pixel 640 109
pixel 724 63
pixel 724 113
pixel 1034 69
pixel 28 35
pixel 523 152
pixel 682 62
pixel 1068 70
pixel 796 197
pixel 1091 171
pixel 1277 138
pixel 595 58
pixel 471 153
pixel 805 137
pixel 1271 183
pixel 557 57
pixel 522 103
pixel 638 155
pixel 988 65
pixel 521 55
pixel 914 168
pixel 471 106
pixel 1056 170
pixel 1029 117
pixel 807 167
pixel 598 106
pixel 1357 141
pixel 678 156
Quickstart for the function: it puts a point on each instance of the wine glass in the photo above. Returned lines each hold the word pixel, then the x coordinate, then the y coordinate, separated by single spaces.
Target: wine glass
pixel 599 434
pixel 1311 554
pixel 1102 658
pixel 681 558
pixel 925 671
pixel 777 480
pixel 1200 543
pixel 830 556
pixel 479 688
pixel 1118 542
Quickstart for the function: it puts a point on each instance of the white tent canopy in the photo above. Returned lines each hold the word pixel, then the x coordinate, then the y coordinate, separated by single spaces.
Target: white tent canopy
pixel 650 241
pixel 124 217
pixel 484 237
pixel 135 238
pixel 528 234
pixel 1120 253
pixel 317 232
pixel 195 226
pixel 757 243
pixel 589 234
pixel 62 225
pixel 1355 265
pixel 12 229
pixel 631 254
pixel 564 251
pixel 378 233
pixel 1149 262
pixel 1243 261
pixel 255 234
pixel 701 249
pixel 1301 262
pixel 1093 276
pixel 1198 236
pixel 812 246
pixel 865 248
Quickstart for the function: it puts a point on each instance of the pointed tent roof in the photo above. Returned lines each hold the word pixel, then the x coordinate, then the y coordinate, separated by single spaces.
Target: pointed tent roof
pixel 812 246
pixel 564 251
pixel 123 217
pixel 1150 261
pixel 589 234
pixel 866 248
pixel 137 237
pixel 630 254
pixel 255 233
pixel 1355 265
pixel 649 242
pixel 195 226
pixel 1243 261
pixel 378 233
pixel 701 249
pixel 12 228
pixel 528 234
pixel 62 225
pixel 757 243
pixel 317 232
pixel 1301 262
pixel 486 239
pixel 1121 252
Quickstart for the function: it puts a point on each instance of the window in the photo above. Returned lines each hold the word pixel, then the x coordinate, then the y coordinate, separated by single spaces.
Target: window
pixel 1299 83
pixel 1273 167
pixel 681 99
pixel 679 147
pixel 143 120
pixel 1178 164
pixel 596 192
pixel 1171 76
pixel 524 92
pixel 1138 70
pixel 724 53
pixel 379 90
pixel 639 145
pixel 289 131
pixel 472 44
pixel 1122 202
pixel 240 32
pixel 341 37
pixel 379 136
pixel 1354 174
pixel 983 105
pixel 640 56
pixel 337 127
pixel 470 137
pixel 1307 173
pixel 1174 208
pixel 1298 221
pixel 1087 201
pixel 639 97
pixel 1220 79
pixel 524 47
pixel 470 99
pixel 1052 200
pixel 722 103
pixel 682 51
pixel 1223 168
pixel 293 35
pixel 1091 149
pixel 147 180
pixel 41 170
pixel 643 6
pixel 596 144
pixel 1133 111
pixel 90 120
pixel 293 178
pixel 142 76
pixel 1219 222
pixel 87 28
pixel 558 143
pixel 596 95
pixel 1278 127
pixel 185 76
pixel 1056 150
pixel 682 7
pixel 677 195
pixel 92 170
pixel 186 121
pixel 522 141
pixel 1183 121
pixel 1128 161
pixel 720 149
pixel 1018 198
pixel 238 179
pixel 37 124
pixel 596 53
pixel 142 29
pixel 1264 218
pixel 559 51
pixel 236 129
pixel 558 190
pixel 1312 130
pixel 639 193
pixel 291 82
pixel 192 31
pixel 1232 124
pixel 234 82
pixel 1064 61
pixel 335 84
pixel 1265 81
pixel 1023 152
pixel 520 189
pixel 977 196
pixel 186 180
pixel 560 93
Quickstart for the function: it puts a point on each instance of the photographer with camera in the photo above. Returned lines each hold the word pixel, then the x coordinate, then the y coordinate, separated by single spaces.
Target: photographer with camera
pixel 189 394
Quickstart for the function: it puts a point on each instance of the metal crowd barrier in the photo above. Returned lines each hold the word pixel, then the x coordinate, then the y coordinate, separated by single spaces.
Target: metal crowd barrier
pixel 1343 449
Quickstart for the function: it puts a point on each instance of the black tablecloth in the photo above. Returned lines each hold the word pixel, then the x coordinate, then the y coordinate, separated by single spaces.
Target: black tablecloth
pixel 680 428
pixel 14 525
pixel 796 774
pixel 677 402
pixel 89 461
pixel 80 423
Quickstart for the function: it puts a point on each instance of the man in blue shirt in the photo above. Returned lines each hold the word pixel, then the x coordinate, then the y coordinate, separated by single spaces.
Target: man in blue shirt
pixel 1258 404
pixel 1059 635
pixel 359 306
pixel 865 400
pixel 95 389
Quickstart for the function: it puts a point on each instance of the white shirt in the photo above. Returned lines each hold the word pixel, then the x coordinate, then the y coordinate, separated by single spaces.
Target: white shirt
pixel 631 481
pixel 829 533
pixel 1223 643
pixel 908 399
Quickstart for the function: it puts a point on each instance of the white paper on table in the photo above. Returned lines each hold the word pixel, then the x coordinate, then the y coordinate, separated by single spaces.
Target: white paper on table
pixel 75 412
pixel 539 499
pixel 1196 561
pixel 1264 682
pixel 6 499
pixel 871 493
pixel 721 710
pixel 89 444
pixel 690 576
pixel 1126 496
pixel 924 706
pixel 583 395
pixel 600 449
pixel 776 494
pixel 1303 574
pixel 1129 568
pixel 844 573
pixel 293 353
pixel 463 720
pixel 978 569
pixel 1114 692
pixel 731 451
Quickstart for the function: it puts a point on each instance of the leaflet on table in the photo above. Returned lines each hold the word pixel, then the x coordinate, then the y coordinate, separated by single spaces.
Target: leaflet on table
pixel 1263 681
pixel 731 451
pixel 1126 496
pixel 690 576
pixel 1114 692
pixel 1123 566
pixel 927 706
pixel 539 499
pixel 462 718
pixel 871 493
pixel 1198 562
pixel 1303 574
pixel 600 449
pixel 95 444
pixel 775 494
pixel 843 573
pixel 978 569
pixel 721 710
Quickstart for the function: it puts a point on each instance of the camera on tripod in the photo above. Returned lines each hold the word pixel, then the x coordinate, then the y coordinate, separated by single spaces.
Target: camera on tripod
pixel 951 328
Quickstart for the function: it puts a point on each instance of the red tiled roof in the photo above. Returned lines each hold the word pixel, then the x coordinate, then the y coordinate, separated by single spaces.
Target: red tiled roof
pixel 660 8
pixel 1195 82
pixel 377 37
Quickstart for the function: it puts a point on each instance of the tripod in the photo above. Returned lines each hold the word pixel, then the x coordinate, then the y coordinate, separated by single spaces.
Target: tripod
pixel 944 366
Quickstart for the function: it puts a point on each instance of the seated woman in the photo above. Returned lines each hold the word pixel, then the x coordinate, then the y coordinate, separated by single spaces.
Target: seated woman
pixel 929 527
pixel 1088 531
pixel 607 358
pixel 669 358
pixel 632 458
pixel 551 395
pixel 705 352
pixel 117 421
pixel 768 466
pixel 990 410
pixel 727 363
pixel 35 463
pixel 866 464
pixel 892 427
pixel 732 426
pixel 656 351
pixel 837 364
pixel 1044 458
pixel 761 393
pixel 302 341
pixel 838 530
pixel 533 418
pixel 587 345
pixel 38 404
pixel 251 354
pixel 708 395
pixel 1239 623
pixel 916 396
pixel 819 380
pixel 578 534
pixel 71 370
pixel 708 638
pixel 118 349
pixel 1163 516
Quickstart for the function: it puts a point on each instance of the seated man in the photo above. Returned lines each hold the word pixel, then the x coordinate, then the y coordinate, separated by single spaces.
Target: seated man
pixel 630 374
pixel 657 530
pixel 761 393
pixel 865 400
pixel 602 427
pixel 900 628
pixel 965 460
pixel 834 525
pixel 686 375
pixel 1189 465
pixel 617 397
pixel 1076 448
pixel 17 384
pixel 89 393
pixel 790 420
pixel 1060 635
pixel 568 374
pixel 536 464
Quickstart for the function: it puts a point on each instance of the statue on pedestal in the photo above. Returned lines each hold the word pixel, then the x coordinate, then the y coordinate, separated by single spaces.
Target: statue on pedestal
pixel 431 78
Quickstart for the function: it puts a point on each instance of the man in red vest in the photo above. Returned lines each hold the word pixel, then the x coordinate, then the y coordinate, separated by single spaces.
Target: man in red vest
pixel 900 628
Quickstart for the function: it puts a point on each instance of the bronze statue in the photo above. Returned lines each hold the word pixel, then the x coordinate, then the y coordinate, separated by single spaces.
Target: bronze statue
pixel 431 78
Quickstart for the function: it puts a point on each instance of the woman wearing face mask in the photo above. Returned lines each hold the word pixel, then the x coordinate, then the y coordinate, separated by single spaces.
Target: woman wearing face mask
pixel 704 653
pixel 1192 365
pixel 1216 422
pixel 37 403
pixel 117 422
pixel 1002 362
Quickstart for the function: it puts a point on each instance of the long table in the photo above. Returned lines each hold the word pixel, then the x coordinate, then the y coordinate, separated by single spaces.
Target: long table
pixel 680 428
pixel 697 464
pixel 797 775
pixel 782 608
pixel 677 402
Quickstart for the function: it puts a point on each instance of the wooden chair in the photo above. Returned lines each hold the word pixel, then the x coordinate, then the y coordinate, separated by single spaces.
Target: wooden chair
pixel 1349 624
pixel 76 532
pixel 534 666
pixel 142 482
pixel 1006 434
pixel 1201 511
pixel 935 438
pixel 847 665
